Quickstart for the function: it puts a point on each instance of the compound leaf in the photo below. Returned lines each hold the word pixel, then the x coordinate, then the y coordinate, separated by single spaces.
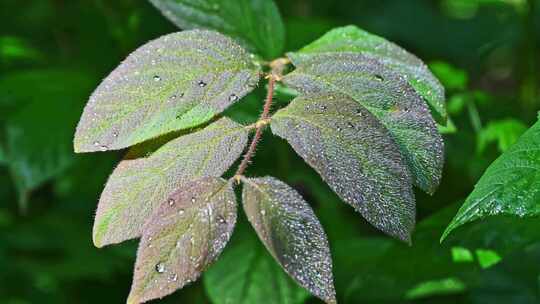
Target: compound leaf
pixel 183 237
pixel 510 185
pixel 137 186
pixel 256 24
pixel 291 232
pixel 246 274
pixel 355 154
pixel 175 82
pixel 354 39
pixel 388 97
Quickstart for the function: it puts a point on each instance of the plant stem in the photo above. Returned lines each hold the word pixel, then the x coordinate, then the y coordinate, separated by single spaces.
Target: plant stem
pixel 277 67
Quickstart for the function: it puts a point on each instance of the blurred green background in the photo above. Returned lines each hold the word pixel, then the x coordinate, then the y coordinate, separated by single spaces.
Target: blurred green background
pixel 54 52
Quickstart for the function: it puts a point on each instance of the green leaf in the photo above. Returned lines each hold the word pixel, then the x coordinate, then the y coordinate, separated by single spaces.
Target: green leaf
pixel 138 186
pixel 504 132
pixel 353 39
pixel 39 123
pixel 355 155
pixel 246 274
pixel 388 97
pixel 509 186
pixel 256 24
pixel 183 237
pixel 175 82
pixel 451 77
pixel 291 232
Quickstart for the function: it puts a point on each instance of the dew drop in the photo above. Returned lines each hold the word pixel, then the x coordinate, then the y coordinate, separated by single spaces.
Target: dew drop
pixel 160 267
pixel 322 107
pixel 115 134
pixel 171 202
pixel 97 144
pixel 202 84
pixel 193 199
pixel 181 211
pixel 221 220
pixel 350 124
pixel 157 78
pixel 233 97
pixel 263 212
pixel 379 77
pixel 174 277
pixel 103 148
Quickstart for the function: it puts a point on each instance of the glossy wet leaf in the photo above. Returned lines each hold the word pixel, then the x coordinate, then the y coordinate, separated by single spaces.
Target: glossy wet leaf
pixel 247 274
pixel 183 237
pixel 510 185
pixel 175 82
pixel 354 39
pixel 289 229
pixel 388 97
pixel 138 186
pixel 355 155
pixel 256 24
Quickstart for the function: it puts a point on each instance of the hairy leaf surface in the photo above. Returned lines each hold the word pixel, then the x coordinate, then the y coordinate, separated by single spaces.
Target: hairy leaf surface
pixel 291 232
pixel 256 24
pixel 354 39
pixel 387 96
pixel 137 186
pixel 355 154
pixel 175 82
pixel 185 235
pixel 510 185
pixel 245 274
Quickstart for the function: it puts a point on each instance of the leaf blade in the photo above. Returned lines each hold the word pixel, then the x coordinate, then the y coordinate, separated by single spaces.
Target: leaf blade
pixel 389 98
pixel 291 232
pixel 516 193
pixel 353 39
pixel 355 155
pixel 137 185
pixel 175 82
pixel 183 237
pixel 256 24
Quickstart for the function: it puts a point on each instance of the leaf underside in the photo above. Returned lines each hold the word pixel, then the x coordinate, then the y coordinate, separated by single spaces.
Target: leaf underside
pixel 291 232
pixel 175 82
pixel 510 185
pixel 137 186
pixel 183 237
pixel 354 39
pixel 356 156
pixel 388 97
pixel 256 24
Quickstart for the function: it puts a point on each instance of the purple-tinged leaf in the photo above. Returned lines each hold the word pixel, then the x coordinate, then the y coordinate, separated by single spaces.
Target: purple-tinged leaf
pixel 175 82
pixel 389 97
pixel 183 237
pixel 137 186
pixel 355 154
pixel 289 229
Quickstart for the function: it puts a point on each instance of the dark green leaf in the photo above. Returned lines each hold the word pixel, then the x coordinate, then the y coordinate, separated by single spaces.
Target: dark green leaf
pixel 388 97
pixel 39 127
pixel 183 237
pixel 355 155
pixel 511 185
pixel 137 186
pixel 353 39
pixel 289 229
pixel 175 82
pixel 254 23
pixel 246 274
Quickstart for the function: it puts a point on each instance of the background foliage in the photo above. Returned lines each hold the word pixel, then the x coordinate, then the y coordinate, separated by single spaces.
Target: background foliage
pixel 54 52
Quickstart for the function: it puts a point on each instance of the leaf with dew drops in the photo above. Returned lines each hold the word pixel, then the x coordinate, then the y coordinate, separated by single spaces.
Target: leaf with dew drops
pixel 255 24
pixel 353 39
pixel 289 229
pixel 183 237
pixel 137 186
pixel 175 82
pixel 510 185
pixel 355 155
pixel 388 97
